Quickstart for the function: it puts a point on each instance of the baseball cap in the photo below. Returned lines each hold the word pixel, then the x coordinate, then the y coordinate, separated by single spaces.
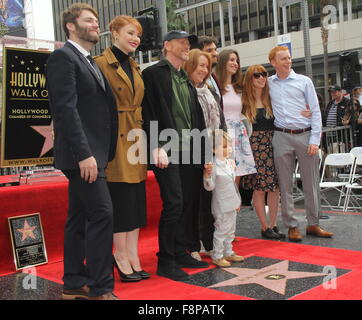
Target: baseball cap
pixel 178 34
pixel 335 88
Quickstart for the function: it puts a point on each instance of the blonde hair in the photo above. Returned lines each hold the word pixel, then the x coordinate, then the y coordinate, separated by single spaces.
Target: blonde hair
pixel 249 101
pixel 191 64
pixel 218 137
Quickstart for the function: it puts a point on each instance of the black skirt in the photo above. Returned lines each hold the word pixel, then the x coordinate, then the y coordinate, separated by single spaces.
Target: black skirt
pixel 129 205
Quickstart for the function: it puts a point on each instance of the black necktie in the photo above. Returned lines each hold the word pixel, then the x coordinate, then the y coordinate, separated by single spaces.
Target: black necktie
pixel 96 69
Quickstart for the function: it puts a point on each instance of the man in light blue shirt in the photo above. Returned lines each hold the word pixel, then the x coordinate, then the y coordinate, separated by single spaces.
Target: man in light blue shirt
pixel 297 136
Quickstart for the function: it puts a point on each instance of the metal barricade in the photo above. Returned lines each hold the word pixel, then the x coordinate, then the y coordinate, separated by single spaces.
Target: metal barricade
pixel 337 139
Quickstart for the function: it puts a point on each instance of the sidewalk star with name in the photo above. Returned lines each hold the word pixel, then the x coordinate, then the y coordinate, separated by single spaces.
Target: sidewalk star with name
pixel 273 277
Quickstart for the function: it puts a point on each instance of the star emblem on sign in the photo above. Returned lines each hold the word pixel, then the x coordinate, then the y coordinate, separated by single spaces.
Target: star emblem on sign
pixel 48 133
pixel 27 231
pixel 273 277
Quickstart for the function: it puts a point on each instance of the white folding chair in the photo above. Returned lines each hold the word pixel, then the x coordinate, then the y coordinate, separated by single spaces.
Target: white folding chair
pixel 333 161
pixel 355 151
pixel 350 196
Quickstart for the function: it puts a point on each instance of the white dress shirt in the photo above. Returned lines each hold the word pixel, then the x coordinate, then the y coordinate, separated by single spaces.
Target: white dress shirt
pixel 289 97
pixel 83 51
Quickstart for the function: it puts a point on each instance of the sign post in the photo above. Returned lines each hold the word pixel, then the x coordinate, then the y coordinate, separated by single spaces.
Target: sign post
pixel 284 40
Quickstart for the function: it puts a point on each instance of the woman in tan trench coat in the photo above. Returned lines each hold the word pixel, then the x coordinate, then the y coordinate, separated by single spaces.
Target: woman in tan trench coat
pixel 126 181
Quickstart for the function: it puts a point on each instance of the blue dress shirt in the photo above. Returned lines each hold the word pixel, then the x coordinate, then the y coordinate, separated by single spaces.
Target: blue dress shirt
pixel 289 97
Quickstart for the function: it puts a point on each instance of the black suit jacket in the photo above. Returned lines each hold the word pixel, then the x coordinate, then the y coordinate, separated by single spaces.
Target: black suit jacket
pixel 84 114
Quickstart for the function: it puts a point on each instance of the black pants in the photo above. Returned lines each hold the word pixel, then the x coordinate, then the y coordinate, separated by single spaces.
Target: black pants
pixel 206 220
pixel 177 187
pixel 88 235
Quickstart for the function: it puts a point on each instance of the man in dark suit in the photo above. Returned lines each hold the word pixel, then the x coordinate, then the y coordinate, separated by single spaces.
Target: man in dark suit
pixel 85 131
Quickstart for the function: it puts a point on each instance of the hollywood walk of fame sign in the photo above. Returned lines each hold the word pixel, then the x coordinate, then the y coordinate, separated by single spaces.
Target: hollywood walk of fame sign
pixel 27 133
pixel 264 278
pixel 27 240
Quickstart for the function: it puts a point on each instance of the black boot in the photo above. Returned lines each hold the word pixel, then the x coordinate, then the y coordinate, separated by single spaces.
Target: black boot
pixel 280 234
pixel 169 269
pixel 269 234
pixel 186 261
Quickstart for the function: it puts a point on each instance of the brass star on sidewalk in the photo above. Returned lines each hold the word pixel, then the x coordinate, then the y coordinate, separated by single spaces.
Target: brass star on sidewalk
pixel 27 231
pixel 273 277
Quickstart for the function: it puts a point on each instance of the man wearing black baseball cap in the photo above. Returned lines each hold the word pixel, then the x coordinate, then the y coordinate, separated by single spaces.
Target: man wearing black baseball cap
pixel 180 43
pixel 335 88
pixel 335 111
pixel 178 34
pixel 171 102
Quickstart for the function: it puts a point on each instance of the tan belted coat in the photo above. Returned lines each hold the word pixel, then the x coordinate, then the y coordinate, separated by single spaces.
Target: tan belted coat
pixel 129 116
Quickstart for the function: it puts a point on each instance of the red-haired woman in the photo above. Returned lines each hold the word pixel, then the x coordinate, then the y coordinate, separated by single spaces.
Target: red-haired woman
pixel 126 180
pixel 258 110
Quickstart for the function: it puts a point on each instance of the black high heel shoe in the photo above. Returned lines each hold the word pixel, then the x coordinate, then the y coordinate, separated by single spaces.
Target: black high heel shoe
pixel 143 274
pixel 132 277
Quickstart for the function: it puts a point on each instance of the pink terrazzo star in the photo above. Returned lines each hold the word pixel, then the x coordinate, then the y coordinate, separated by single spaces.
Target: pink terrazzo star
pixel 273 277
pixel 48 134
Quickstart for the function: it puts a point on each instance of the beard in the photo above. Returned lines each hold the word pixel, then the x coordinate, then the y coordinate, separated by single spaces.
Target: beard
pixel 83 34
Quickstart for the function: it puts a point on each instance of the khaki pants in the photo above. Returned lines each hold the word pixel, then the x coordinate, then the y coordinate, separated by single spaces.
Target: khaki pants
pixel 287 148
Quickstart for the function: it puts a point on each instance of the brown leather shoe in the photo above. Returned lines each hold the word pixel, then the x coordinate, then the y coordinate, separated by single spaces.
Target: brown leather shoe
pixel 294 234
pixel 81 293
pixel 106 296
pixel 318 232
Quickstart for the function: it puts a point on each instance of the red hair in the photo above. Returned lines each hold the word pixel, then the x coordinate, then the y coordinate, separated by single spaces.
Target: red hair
pixel 249 103
pixel 273 52
pixel 120 21
pixel 192 63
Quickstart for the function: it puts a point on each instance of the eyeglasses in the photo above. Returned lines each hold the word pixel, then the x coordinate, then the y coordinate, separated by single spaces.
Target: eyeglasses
pixel 257 75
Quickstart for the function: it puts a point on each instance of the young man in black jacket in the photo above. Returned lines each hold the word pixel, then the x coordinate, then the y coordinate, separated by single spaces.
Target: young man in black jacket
pixel 171 103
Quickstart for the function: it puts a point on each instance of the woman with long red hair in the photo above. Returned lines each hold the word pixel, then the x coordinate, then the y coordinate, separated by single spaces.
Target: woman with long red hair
pixel 258 110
